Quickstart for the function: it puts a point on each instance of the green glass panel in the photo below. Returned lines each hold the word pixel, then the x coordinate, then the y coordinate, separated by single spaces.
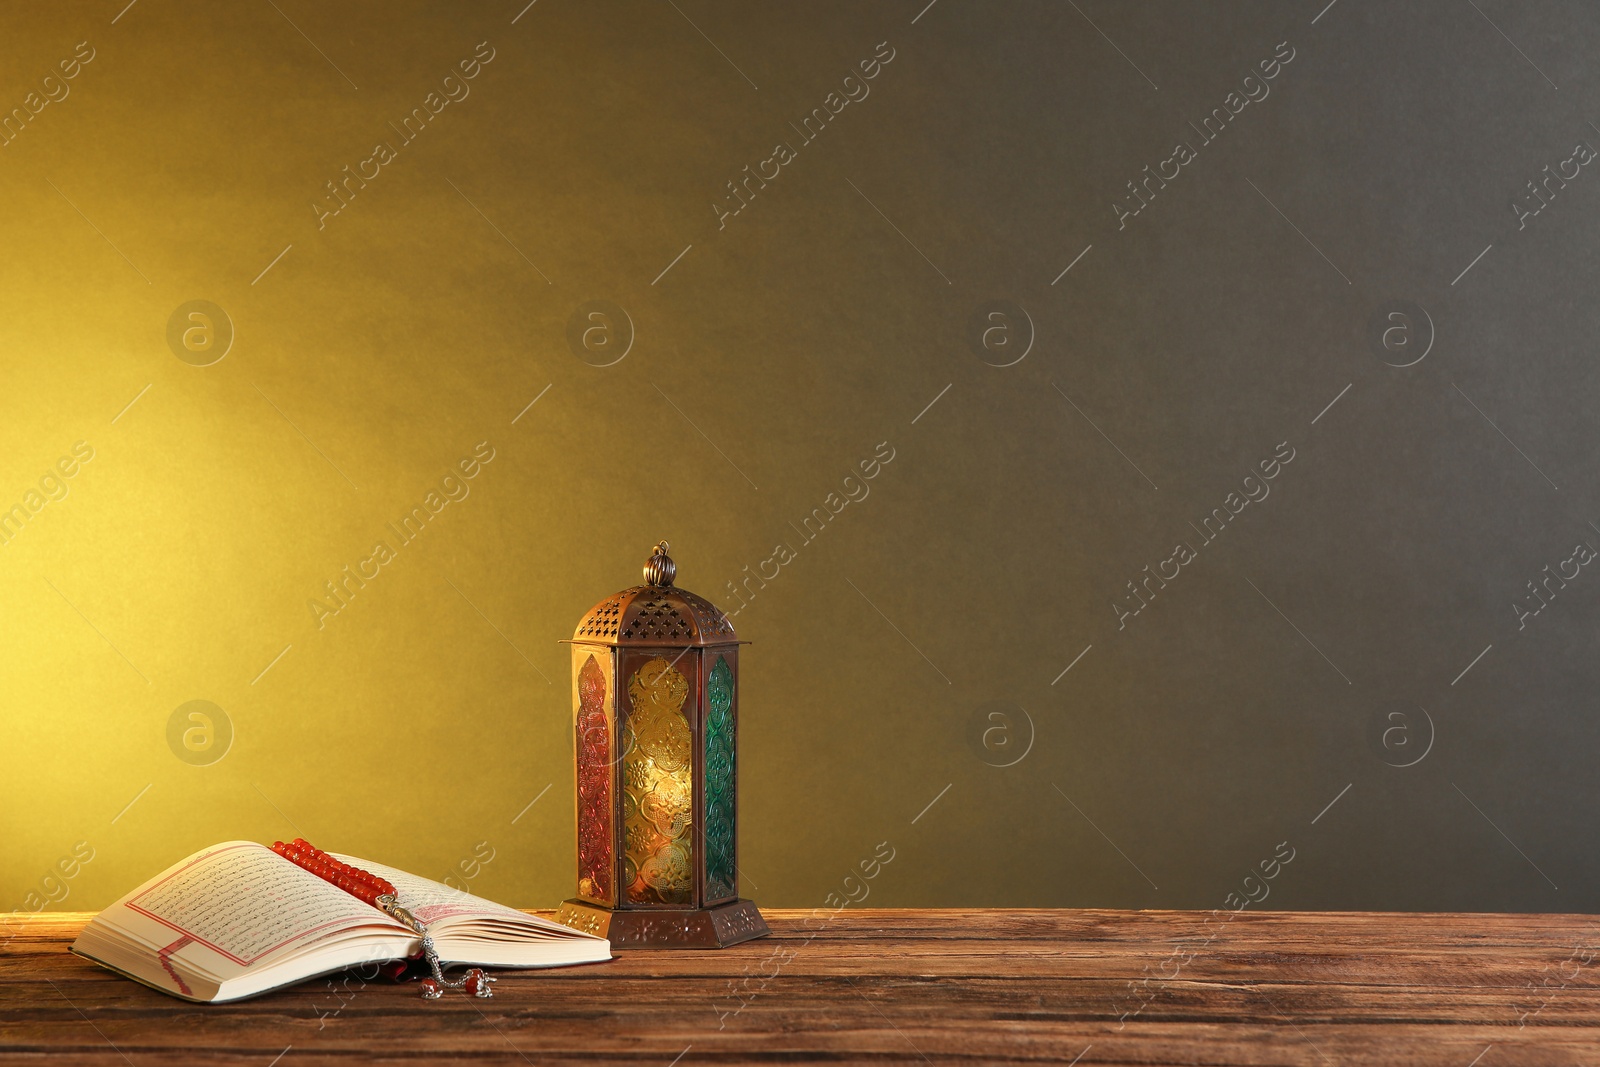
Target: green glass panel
pixel 721 880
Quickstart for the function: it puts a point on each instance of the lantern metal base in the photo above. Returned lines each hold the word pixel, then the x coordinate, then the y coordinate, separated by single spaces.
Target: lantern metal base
pixel 715 927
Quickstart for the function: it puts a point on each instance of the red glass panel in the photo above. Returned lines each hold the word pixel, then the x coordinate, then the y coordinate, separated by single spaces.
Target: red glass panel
pixel 595 861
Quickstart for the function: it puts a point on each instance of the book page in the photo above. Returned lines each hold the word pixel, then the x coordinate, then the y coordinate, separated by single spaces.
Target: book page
pixel 243 901
pixel 433 901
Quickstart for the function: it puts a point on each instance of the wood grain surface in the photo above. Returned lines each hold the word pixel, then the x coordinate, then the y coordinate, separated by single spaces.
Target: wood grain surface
pixel 901 986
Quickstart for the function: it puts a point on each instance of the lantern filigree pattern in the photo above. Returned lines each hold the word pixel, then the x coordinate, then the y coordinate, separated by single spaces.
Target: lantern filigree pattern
pixel 655 703
pixel 658 788
pixel 720 872
pixel 595 862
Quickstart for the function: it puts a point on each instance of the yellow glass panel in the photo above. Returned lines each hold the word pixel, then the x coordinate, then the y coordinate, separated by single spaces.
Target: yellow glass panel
pixel 658 788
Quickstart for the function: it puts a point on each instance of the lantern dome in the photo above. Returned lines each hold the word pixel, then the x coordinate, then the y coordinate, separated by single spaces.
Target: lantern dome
pixel 656 613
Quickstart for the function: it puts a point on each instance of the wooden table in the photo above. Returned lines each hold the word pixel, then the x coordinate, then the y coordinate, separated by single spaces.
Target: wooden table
pixel 1086 987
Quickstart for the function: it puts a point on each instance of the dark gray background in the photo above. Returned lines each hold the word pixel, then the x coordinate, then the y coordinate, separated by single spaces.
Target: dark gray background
pixel 1198 338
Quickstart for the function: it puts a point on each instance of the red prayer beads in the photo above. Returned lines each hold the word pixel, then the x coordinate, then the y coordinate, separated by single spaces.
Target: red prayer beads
pixel 381 893
pixel 353 880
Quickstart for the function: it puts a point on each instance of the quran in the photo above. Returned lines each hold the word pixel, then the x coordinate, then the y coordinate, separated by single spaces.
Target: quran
pixel 239 919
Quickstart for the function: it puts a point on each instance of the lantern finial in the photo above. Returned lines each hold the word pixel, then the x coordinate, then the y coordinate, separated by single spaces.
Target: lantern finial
pixel 659 570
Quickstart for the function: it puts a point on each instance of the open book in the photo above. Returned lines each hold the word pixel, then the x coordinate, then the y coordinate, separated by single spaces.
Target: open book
pixel 238 919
